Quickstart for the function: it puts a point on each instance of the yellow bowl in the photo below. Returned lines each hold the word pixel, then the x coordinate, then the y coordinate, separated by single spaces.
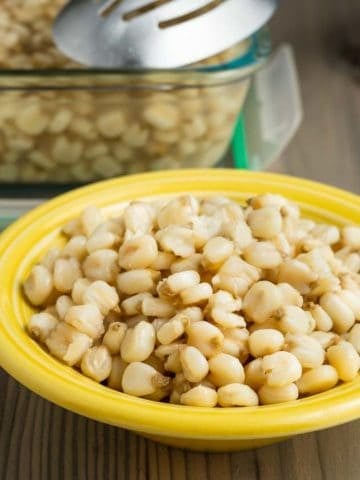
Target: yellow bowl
pixel 218 429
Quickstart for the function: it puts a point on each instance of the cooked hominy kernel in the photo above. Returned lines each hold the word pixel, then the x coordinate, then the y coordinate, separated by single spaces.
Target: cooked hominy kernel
pixel 62 305
pixel 265 342
pixel 350 237
pixel 206 337
pixel 199 396
pixel 38 285
pixel 225 369
pixel 262 255
pixel 194 365
pixel 118 367
pixel 67 343
pixel 306 349
pixel 281 368
pixel 137 253
pixel 265 222
pixel 96 363
pixel 87 319
pixel 114 337
pixel 290 295
pixel 269 395
pixel 197 294
pixel 341 314
pixel 237 395
pixel 102 295
pixel 41 324
pixel 78 290
pixel 186 287
pixel 138 343
pixel 101 265
pixel 261 301
pixel 345 359
pixel 140 379
pixel 317 380
pixel 136 281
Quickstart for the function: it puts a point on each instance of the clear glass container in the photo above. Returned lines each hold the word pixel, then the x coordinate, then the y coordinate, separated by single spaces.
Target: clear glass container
pixel 67 125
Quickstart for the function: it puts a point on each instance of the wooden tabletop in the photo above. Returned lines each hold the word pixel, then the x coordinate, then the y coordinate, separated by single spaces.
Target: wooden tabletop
pixel 39 441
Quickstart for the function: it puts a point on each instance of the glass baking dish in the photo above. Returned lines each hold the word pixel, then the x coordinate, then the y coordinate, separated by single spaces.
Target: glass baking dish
pixel 70 126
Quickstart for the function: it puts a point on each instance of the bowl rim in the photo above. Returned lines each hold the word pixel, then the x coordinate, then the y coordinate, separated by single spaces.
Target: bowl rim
pixel 23 359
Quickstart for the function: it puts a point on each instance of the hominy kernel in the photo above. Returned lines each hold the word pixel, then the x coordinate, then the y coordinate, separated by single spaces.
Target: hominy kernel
pixel 225 369
pixel 265 342
pixel 345 359
pixel 206 337
pixel 317 380
pixel 193 363
pixel 281 368
pixel 39 285
pixel 269 395
pixel 199 396
pixel 138 343
pixel 261 301
pixel 237 395
pixel 96 363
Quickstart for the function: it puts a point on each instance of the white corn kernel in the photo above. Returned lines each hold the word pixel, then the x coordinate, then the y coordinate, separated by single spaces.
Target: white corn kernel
pixel 297 274
pixel 87 319
pixel 227 319
pixel 114 337
pixel 268 200
pixel 78 290
pixel 177 282
pixel 306 349
pixel 341 314
pixel 170 331
pixel 261 301
pixel 177 240
pixel 240 233
pixel 66 343
pixel 90 219
pixel 281 368
pixel 100 240
pixel 199 396
pixel 140 379
pixel 38 285
pixel 136 281
pixel 165 350
pixel 185 264
pixel 352 299
pixel 48 261
pixel 225 369
pixel 254 374
pixel 62 305
pixel 196 294
pixel 204 228
pixel 96 363
pixel 269 395
pixel 354 337
pixel 262 255
pixel 345 359
pixel 73 228
pixel 132 305
pixel 118 367
pixel 206 337
pixel 66 272
pixel 178 211
pixel 290 295
pixel 350 237
pixel 315 260
pixel 194 365
pixel 163 261
pixel 101 265
pixel 41 324
pixel 133 321
pixel 157 307
pixel 328 234
pixel 326 339
pixel 138 343
pixel 317 380
pixel 237 395
pixel 102 295
pixel 138 252
pixel 265 341
pixel 293 319
pixel 216 251
pixel 323 321
pixel 139 217
pixel 75 247
pixel 265 222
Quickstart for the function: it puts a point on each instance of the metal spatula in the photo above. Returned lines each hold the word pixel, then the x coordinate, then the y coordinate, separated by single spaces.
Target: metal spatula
pixel 155 33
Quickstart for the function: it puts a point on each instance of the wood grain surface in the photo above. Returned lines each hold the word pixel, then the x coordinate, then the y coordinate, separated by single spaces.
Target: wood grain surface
pixel 39 441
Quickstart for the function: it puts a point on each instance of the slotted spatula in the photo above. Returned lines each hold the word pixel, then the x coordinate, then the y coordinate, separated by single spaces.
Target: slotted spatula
pixel 155 33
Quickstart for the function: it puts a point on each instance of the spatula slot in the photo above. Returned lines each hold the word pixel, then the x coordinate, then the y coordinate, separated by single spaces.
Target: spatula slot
pixel 191 15
pixel 144 9
pixel 109 7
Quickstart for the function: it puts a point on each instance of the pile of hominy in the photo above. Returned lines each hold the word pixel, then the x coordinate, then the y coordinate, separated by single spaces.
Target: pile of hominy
pixel 203 302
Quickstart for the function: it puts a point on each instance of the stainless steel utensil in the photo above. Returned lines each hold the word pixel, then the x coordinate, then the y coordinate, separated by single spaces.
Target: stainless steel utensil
pixel 155 33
